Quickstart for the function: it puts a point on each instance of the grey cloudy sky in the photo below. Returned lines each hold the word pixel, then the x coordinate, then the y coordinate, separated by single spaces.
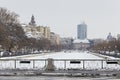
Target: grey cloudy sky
pixel 101 16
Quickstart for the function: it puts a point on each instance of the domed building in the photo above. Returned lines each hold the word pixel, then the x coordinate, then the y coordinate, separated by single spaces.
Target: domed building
pixel 109 37
pixel 81 44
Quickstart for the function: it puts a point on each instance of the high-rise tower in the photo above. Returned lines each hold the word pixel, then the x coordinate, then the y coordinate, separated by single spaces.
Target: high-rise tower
pixel 82 31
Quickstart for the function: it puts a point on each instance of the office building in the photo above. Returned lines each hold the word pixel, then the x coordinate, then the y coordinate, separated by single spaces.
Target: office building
pixel 82 31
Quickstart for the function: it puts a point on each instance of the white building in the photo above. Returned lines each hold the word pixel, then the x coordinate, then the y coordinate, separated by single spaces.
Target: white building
pixel 81 44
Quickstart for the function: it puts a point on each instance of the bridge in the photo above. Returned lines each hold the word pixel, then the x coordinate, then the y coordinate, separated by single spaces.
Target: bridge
pixel 59 67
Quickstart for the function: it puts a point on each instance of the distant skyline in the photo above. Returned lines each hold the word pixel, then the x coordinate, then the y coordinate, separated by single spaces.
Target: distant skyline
pixel 63 16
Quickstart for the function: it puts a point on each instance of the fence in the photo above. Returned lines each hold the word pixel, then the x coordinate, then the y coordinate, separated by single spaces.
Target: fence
pixel 61 64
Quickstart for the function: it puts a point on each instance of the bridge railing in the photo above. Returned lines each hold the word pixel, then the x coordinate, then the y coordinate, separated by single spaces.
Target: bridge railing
pixel 61 64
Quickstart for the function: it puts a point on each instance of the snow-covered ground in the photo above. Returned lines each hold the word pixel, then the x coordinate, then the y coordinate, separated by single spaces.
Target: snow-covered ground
pixel 62 64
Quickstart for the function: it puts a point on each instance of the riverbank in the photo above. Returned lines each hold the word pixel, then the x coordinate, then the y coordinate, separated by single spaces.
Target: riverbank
pixel 69 73
pixel 55 78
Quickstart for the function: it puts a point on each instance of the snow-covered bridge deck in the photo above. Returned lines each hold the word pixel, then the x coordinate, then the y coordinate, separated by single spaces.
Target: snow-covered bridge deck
pixel 64 62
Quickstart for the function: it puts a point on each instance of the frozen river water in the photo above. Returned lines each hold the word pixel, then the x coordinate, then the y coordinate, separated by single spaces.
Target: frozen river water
pixel 62 55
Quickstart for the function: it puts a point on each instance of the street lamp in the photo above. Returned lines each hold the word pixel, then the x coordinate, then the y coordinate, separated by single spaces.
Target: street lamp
pixel 109 49
pixel 115 49
pixel 105 50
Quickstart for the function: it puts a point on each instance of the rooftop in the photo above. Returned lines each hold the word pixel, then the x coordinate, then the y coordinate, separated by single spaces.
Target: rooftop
pixel 81 41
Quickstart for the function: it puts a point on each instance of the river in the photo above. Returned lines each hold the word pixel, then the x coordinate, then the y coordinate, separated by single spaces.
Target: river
pixel 54 78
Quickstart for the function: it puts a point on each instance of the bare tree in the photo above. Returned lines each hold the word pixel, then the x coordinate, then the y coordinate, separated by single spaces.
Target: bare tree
pixel 11 32
pixel 7 17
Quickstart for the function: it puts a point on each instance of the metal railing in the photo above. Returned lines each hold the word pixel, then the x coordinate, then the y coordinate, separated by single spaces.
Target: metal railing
pixel 61 64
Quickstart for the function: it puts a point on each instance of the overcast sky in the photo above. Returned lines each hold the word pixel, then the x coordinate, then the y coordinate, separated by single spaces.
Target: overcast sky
pixel 63 16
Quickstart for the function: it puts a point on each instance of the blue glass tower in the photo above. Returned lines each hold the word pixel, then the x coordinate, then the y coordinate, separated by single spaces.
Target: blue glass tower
pixel 82 31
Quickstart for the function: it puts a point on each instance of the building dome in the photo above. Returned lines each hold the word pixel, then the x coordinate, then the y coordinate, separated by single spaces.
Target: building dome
pixel 109 37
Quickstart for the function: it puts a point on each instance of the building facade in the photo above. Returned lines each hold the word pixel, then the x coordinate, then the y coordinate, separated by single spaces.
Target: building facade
pixel 66 43
pixel 33 31
pixel 81 44
pixel 118 36
pixel 54 38
pixel 82 31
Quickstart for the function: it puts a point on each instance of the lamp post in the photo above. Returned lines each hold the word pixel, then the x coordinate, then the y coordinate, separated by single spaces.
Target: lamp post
pixel 98 50
pixel 115 49
pixel 104 50
pixel 109 49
